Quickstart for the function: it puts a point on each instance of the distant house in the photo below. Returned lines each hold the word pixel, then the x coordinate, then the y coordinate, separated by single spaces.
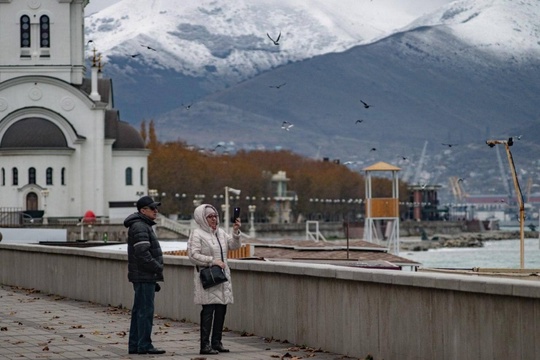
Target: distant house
pixel 63 147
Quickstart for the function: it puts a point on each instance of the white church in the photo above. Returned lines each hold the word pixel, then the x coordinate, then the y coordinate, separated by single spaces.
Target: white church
pixel 63 148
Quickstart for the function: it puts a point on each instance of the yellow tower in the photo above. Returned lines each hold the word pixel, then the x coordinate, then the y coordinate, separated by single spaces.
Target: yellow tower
pixel 379 210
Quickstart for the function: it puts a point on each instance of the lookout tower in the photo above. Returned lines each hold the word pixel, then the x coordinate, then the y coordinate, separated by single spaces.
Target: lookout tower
pixel 382 209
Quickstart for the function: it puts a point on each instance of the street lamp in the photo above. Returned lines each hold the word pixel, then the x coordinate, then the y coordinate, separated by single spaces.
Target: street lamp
pixel 198 199
pixel 45 193
pixel 180 198
pixel 519 195
pixel 227 216
pixel 251 209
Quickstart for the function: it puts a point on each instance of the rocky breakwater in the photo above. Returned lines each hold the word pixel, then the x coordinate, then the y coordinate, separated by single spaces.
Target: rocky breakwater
pixel 464 240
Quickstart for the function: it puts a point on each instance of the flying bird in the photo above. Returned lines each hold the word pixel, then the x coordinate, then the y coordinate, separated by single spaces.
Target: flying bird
pixel 135 55
pixel 276 42
pixel 359 121
pixel 286 125
pixel 278 86
pixel 148 47
pixel 403 157
pixel 373 149
pixel 188 106
pixel 449 145
pixel 366 105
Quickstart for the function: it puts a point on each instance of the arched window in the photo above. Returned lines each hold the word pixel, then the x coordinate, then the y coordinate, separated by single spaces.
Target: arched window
pixel 3 177
pixel 49 176
pixel 142 176
pixel 129 176
pixel 44 32
pixel 15 175
pixel 32 175
pixel 63 176
pixel 25 31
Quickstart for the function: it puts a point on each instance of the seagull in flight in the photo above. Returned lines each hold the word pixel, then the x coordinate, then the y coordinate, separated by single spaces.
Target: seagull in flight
pixel 276 42
pixel 449 145
pixel 359 121
pixel 373 149
pixel 148 47
pixel 188 106
pixel 403 157
pixel 286 125
pixel 216 147
pixel 135 55
pixel 366 105
pixel 278 86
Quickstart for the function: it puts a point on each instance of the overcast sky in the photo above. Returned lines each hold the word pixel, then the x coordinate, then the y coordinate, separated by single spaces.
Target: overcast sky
pixel 96 5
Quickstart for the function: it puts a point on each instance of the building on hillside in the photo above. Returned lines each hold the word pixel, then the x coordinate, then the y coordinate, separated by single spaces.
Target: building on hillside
pixel 423 204
pixel 63 148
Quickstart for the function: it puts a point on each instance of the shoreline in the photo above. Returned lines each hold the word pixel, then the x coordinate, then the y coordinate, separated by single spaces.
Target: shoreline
pixel 474 239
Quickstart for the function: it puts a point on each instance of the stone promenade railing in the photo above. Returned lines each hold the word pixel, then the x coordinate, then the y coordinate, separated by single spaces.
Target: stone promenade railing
pixel 352 311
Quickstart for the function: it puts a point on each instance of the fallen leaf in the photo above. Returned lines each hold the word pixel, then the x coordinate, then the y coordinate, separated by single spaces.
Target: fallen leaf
pixel 46 348
pixel 3 328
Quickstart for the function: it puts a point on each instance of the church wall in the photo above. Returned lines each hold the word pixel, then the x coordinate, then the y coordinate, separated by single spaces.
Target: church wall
pixel 38 82
pixel 121 160
pixel 61 33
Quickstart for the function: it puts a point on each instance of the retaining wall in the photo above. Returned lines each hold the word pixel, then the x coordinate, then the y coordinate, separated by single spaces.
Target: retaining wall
pixel 386 313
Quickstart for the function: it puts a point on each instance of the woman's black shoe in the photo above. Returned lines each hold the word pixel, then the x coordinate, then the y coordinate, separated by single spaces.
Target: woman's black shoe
pixel 207 350
pixel 220 348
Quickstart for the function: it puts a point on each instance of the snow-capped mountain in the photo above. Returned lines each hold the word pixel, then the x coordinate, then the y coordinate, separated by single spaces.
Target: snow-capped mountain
pixel 228 39
pixel 438 71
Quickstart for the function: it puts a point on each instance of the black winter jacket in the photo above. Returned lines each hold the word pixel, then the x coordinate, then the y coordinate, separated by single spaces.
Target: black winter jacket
pixel 145 258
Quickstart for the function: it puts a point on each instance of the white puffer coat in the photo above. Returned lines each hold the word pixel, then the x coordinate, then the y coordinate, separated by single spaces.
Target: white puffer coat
pixel 203 248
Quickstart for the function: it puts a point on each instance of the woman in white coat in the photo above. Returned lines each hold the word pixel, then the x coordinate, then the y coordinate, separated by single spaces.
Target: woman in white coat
pixel 208 245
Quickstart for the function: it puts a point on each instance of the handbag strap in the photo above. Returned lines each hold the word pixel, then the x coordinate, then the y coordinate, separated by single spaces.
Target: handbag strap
pixel 220 251
pixel 220 248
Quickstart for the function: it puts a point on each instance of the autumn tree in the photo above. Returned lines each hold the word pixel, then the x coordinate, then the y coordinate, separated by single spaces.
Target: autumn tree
pixel 323 189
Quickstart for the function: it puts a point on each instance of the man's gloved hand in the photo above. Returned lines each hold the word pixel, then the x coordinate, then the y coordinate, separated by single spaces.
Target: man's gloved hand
pixel 158 287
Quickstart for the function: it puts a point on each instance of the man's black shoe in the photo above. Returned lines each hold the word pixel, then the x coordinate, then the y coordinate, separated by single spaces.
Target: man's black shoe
pixel 152 351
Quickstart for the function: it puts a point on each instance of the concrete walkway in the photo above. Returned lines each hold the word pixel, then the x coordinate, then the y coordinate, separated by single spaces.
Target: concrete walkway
pixel 42 326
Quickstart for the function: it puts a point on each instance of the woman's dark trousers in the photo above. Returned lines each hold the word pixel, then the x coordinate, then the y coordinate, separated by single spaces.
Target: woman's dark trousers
pixel 212 320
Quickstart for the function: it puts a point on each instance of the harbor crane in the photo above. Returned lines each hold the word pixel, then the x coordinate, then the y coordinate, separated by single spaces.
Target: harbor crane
pixel 519 194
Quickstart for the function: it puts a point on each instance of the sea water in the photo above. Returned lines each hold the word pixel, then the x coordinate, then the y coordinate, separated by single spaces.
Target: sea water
pixel 495 254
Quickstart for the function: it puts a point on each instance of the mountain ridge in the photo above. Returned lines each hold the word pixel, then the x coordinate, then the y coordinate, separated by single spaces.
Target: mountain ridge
pixel 445 77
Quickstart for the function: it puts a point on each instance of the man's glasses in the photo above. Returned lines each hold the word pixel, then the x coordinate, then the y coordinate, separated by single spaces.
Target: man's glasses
pixel 153 208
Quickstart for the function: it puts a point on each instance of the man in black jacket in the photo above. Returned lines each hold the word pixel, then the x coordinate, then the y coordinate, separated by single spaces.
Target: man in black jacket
pixel 145 269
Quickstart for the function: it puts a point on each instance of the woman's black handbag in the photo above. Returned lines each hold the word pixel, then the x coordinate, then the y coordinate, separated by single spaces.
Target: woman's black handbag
pixel 213 275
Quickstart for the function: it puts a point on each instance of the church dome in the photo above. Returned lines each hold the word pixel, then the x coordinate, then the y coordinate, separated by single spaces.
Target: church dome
pixel 33 133
pixel 127 137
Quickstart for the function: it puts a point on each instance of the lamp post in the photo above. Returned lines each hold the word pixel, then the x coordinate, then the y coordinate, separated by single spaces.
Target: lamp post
pixel 227 215
pixel 45 193
pixel 519 195
pixel 198 199
pixel 180 198
pixel 251 209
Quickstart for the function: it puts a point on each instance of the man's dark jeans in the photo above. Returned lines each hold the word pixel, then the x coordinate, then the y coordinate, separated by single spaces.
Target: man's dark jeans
pixel 142 316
